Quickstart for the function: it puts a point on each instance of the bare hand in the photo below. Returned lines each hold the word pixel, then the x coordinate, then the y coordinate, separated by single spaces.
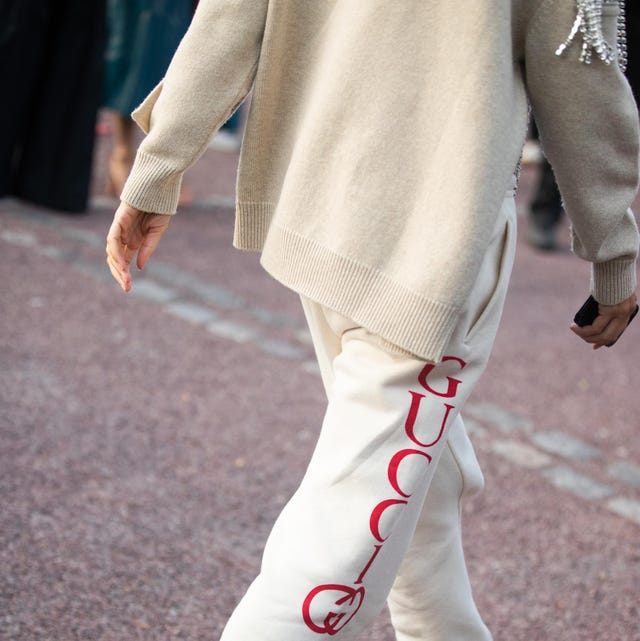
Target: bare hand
pixel 132 232
pixel 609 325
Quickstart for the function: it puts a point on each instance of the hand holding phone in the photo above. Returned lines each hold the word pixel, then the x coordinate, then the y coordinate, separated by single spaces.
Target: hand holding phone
pixel 589 312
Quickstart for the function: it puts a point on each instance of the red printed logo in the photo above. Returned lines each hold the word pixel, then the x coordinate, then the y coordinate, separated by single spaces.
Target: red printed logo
pixel 328 608
pixel 346 599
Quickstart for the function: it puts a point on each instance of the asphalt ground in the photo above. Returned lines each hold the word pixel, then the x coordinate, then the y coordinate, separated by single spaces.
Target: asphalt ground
pixel 148 441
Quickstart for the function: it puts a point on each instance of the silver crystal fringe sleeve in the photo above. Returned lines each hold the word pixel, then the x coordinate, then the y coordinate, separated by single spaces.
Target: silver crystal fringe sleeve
pixel 588 123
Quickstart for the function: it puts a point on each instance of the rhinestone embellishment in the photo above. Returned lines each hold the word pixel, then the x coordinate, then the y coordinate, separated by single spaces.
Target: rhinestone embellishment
pixel 588 25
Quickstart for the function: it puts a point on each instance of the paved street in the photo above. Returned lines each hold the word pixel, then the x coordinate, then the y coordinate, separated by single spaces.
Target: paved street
pixel 148 441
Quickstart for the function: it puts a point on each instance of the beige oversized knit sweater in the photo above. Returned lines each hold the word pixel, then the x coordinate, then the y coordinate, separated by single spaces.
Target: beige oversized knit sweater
pixel 381 138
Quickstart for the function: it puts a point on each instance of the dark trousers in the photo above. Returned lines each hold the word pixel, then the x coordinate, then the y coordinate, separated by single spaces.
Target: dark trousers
pixel 51 59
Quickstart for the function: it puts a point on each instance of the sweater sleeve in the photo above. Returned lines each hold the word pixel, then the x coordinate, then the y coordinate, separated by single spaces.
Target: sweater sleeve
pixel 588 124
pixel 211 73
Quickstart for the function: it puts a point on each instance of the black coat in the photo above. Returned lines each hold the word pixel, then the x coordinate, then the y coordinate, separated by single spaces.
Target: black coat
pixel 51 59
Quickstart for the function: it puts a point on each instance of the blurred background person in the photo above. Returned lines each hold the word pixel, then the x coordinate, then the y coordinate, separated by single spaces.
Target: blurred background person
pixel 51 57
pixel 545 209
pixel 142 36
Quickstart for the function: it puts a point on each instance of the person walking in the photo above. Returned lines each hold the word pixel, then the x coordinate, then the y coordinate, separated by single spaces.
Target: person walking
pixel 377 178
pixel 51 68
pixel 142 36
pixel 545 208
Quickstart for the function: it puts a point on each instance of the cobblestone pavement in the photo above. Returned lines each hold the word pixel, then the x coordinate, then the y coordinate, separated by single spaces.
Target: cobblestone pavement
pixel 148 441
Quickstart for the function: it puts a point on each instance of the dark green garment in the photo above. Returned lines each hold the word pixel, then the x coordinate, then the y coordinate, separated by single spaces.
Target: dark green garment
pixel 142 38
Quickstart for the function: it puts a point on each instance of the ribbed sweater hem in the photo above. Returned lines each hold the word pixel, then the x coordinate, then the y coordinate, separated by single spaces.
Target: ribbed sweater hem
pixel 403 318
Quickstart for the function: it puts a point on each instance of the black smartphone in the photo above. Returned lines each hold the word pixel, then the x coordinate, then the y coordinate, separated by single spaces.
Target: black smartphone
pixel 589 311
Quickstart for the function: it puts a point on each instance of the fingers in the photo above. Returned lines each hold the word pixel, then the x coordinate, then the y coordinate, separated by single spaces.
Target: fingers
pixel 132 232
pixel 116 256
pixel 157 225
pixel 604 331
pixel 121 276
pixel 146 250
pixel 609 325
pixel 120 249
pixel 115 246
pixel 129 254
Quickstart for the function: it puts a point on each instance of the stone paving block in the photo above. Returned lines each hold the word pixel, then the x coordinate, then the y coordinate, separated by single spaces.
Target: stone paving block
pixel 84 236
pixel 191 312
pixel 272 319
pixel 233 331
pixel 520 454
pixel 52 252
pixel 214 294
pixel 500 417
pixel 311 367
pixel 282 349
pixel 628 508
pixel 152 291
pixel 304 336
pixel 20 238
pixel 168 273
pixel 473 427
pixel 578 484
pixel 627 473
pixel 565 445
pixel 97 271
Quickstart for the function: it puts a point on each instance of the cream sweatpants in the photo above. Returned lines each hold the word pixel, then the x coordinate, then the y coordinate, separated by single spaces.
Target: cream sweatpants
pixel 376 517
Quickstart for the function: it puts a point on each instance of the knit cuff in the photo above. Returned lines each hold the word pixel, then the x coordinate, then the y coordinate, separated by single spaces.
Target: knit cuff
pixel 613 281
pixel 152 185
